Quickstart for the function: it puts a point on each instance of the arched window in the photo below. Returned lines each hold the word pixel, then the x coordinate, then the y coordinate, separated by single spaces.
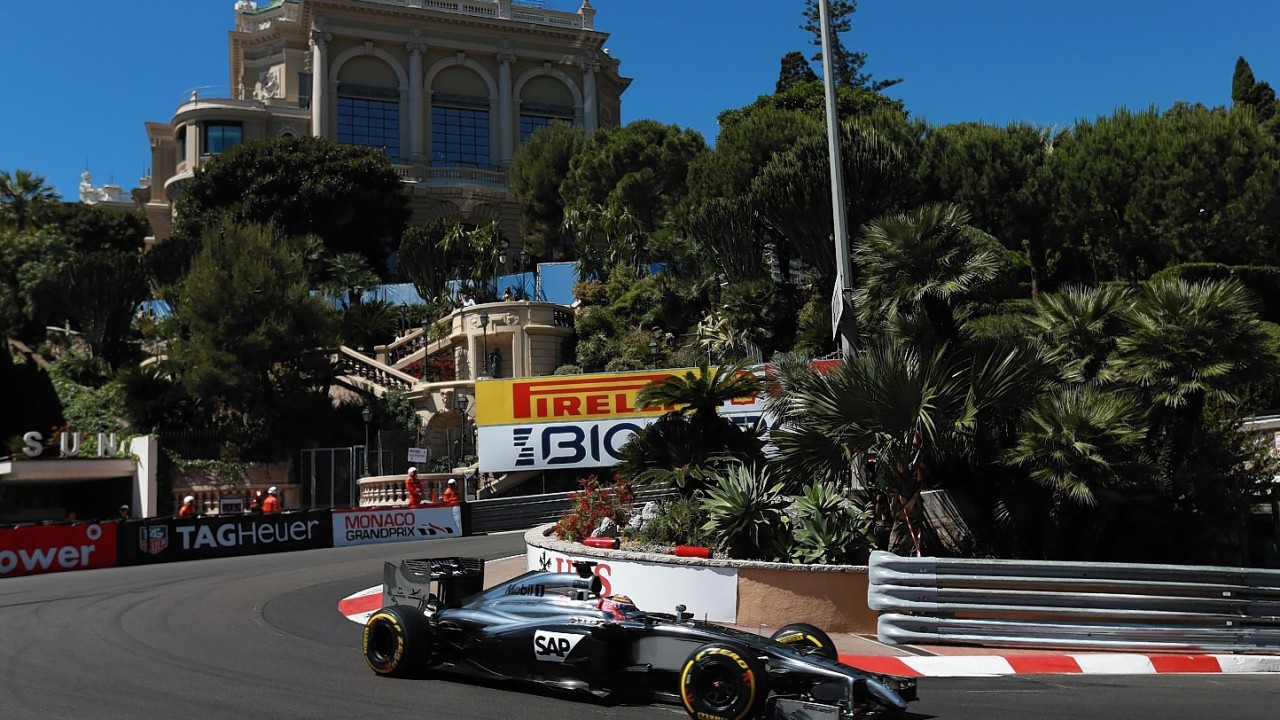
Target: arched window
pixel 460 131
pixel 544 101
pixel 369 116
pixel 535 117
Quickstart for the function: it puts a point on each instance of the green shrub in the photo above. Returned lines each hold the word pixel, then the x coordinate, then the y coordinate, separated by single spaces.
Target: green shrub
pixel 828 529
pixel 678 522
pixel 746 515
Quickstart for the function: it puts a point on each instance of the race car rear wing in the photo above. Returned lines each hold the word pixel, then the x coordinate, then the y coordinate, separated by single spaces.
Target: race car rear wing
pixel 410 582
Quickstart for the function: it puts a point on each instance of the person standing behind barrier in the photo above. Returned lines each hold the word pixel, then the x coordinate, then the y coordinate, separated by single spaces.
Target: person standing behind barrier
pixel 123 513
pixel 451 496
pixel 413 488
pixel 188 508
pixel 255 503
pixel 271 503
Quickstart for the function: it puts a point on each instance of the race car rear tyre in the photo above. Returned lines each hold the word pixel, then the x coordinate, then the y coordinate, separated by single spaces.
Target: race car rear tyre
pixel 807 638
pixel 397 640
pixel 723 681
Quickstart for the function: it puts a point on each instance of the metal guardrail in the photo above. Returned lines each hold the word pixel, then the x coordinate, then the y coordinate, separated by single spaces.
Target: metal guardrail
pixel 524 512
pixel 1014 603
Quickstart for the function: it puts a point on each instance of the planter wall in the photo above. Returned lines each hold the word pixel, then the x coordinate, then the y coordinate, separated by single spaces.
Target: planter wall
pixel 738 592
pixel 832 597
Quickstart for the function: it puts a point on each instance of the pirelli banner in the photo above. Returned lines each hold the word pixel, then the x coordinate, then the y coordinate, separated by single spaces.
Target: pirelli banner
pixel 571 421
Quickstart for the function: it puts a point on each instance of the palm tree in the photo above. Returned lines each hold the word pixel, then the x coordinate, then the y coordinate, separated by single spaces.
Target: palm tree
pixel 1186 344
pixel 683 447
pixel 24 192
pixel 1080 443
pixel 923 264
pixel 909 408
pixel 699 393
pixel 1076 330
pixel 349 277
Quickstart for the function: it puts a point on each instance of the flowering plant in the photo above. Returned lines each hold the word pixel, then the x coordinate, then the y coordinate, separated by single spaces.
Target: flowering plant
pixel 590 505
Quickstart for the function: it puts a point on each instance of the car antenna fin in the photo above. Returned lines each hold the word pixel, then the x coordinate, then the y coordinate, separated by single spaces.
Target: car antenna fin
pixel 584 567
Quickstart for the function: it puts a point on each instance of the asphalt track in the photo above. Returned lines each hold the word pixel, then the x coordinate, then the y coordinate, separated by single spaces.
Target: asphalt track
pixel 259 637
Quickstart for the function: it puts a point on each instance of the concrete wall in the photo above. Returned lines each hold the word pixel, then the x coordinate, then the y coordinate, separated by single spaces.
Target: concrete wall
pixel 832 597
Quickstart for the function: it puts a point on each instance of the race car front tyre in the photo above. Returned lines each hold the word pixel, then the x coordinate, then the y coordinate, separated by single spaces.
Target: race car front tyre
pixel 807 638
pixel 723 681
pixel 397 640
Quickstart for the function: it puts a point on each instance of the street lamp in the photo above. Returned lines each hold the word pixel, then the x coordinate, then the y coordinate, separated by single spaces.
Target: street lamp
pixel 500 261
pixel 524 263
pixel 367 414
pixel 461 403
pixel 653 354
pixel 484 322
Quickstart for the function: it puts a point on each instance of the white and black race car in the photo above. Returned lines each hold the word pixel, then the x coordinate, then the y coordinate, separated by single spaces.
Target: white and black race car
pixel 555 629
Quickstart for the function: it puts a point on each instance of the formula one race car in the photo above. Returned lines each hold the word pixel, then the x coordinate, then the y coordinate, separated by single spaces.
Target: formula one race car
pixel 555 629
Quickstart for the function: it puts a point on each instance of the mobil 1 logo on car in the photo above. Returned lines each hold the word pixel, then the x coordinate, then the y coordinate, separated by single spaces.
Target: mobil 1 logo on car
pixel 551 646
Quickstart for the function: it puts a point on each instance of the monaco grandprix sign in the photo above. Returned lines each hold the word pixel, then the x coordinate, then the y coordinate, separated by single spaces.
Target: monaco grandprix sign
pixel 367 527
pixel 710 592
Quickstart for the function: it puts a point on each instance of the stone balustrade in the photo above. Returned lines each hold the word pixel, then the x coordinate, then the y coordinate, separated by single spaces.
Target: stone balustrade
pixel 388 490
pixel 209 498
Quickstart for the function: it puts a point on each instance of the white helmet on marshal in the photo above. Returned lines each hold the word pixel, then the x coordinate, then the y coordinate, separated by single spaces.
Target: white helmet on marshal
pixel 189 499
pixel 273 490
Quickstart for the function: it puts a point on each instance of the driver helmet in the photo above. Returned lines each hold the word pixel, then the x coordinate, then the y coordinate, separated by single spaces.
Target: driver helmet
pixel 618 607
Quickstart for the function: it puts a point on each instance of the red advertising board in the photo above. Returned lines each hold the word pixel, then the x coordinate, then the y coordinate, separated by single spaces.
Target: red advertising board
pixel 40 549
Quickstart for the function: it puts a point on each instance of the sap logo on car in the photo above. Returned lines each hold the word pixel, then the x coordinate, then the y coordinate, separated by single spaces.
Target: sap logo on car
pixel 553 646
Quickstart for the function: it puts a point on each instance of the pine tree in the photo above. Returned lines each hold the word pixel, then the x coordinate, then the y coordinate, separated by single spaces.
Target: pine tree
pixel 795 70
pixel 846 65
pixel 1246 91
pixel 1241 81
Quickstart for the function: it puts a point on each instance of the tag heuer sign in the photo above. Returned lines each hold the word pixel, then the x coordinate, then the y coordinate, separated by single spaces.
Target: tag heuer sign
pixel 153 539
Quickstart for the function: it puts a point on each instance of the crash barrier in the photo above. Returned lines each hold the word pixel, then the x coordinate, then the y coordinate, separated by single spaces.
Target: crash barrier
pixel 37 549
pixel 1074 605
pixel 524 512
pixel 161 540
pixel 34 549
pixel 741 592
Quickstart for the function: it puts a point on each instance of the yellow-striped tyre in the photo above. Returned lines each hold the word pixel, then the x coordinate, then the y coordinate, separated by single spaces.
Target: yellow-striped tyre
pixel 723 681
pixel 396 641
pixel 807 638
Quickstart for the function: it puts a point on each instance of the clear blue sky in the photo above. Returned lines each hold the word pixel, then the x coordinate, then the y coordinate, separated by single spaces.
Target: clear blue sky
pixel 84 75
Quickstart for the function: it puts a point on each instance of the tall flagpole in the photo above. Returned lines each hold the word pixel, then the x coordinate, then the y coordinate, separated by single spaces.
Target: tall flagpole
pixel 842 320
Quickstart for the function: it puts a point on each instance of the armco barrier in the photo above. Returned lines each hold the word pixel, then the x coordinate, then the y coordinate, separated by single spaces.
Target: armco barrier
pixel 1074 605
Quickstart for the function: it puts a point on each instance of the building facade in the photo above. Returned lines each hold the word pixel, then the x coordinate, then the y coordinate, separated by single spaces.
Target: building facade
pixel 447 89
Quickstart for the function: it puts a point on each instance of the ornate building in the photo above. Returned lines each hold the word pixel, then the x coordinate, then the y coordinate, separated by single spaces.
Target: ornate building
pixel 448 89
